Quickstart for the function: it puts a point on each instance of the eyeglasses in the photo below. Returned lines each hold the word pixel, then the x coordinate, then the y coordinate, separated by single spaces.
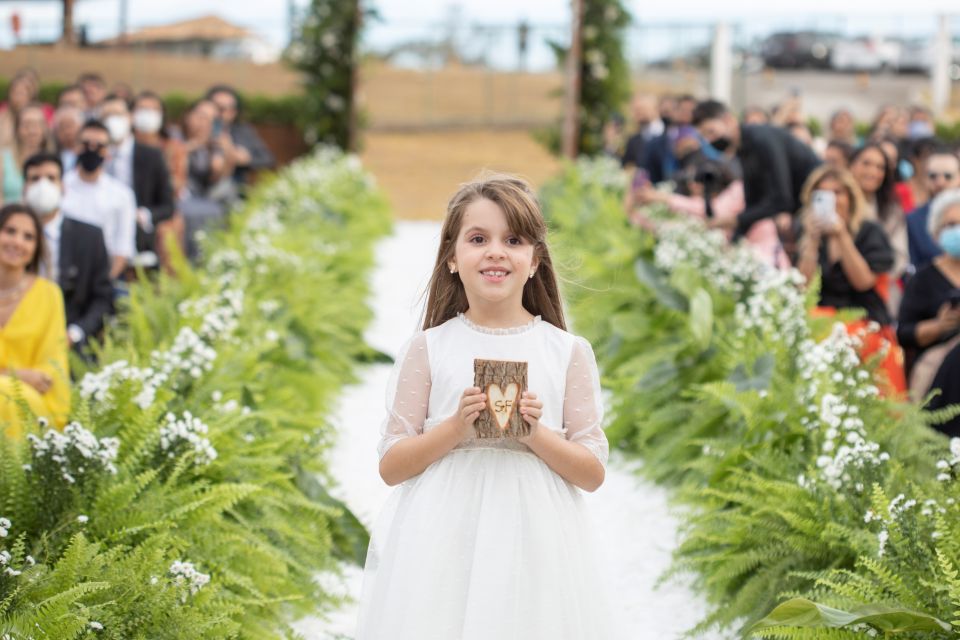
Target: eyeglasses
pixel 946 176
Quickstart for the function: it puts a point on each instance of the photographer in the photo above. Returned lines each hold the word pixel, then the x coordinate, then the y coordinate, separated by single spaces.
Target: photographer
pixel 930 313
pixel 774 163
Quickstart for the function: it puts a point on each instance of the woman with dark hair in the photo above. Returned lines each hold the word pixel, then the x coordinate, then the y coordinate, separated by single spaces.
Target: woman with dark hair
pixel 33 329
pixel 873 170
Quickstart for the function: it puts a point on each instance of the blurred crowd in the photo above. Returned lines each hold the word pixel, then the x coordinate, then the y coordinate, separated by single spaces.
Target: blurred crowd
pixel 870 213
pixel 96 190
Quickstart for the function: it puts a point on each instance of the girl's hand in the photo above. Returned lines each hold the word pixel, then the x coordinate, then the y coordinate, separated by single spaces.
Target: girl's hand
pixel 531 409
pixel 471 404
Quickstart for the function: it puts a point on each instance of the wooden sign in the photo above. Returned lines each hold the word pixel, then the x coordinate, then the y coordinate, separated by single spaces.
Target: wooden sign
pixel 504 382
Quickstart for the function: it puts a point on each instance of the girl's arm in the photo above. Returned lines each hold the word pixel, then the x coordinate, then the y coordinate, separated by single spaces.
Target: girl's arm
pixel 405 449
pixel 581 457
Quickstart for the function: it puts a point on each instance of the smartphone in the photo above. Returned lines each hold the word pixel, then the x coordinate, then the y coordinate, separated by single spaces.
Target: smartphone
pixel 954 298
pixel 825 205
pixel 217 127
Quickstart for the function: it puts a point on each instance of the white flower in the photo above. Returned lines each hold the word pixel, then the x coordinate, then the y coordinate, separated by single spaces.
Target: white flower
pixel 82 519
pixel 96 626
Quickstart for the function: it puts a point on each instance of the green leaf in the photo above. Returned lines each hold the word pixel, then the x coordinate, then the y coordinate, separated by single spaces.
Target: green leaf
pixel 649 276
pixel 701 318
pixel 800 612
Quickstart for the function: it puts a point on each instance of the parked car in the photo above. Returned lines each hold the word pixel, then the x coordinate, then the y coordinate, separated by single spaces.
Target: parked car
pixel 916 56
pixel 866 53
pixel 798 50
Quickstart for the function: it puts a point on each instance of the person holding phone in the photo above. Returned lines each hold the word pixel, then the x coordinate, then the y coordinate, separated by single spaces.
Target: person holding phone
pixel 851 252
pixel 929 325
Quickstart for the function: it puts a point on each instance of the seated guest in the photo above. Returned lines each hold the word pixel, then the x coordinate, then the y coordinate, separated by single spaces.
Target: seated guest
pixel 930 315
pixel 850 250
pixel 210 190
pixel 238 139
pixel 66 127
pixel 91 195
pixel 77 256
pixel 94 89
pixel 150 128
pixel 31 136
pixel 942 173
pixel 33 343
pixel 143 169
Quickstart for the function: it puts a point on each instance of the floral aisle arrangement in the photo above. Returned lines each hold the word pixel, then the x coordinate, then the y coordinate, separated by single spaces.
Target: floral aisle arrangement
pixel 187 497
pixel 817 508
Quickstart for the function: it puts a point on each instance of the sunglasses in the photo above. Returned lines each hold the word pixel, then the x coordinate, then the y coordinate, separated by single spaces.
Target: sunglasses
pixel 946 176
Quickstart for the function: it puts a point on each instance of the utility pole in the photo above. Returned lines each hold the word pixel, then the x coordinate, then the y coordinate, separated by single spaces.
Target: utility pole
pixel 573 77
pixel 66 37
pixel 124 25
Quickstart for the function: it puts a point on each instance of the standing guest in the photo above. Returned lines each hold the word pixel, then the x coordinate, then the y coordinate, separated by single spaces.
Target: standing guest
pixel 19 95
pixel 838 154
pixel 78 259
pixel 660 160
pixel 613 137
pixel 66 127
pixel 873 171
pixel 774 163
pixel 942 173
pixel 930 316
pixel 842 128
pixel 91 195
pixel 850 250
pixel 913 190
pixel 239 140
pixel 643 109
pixel 94 89
pixel 921 123
pixel 801 132
pixel 33 345
pixel 143 169
pixel 72 96
pixel 32 136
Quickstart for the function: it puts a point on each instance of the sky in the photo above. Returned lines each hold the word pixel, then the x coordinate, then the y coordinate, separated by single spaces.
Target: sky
pixel 668 23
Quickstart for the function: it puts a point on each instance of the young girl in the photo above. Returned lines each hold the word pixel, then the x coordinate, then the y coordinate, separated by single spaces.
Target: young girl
pixel 486 539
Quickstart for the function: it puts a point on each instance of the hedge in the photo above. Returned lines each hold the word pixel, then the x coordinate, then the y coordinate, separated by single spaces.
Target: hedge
pixel 188 496
pixel 805 491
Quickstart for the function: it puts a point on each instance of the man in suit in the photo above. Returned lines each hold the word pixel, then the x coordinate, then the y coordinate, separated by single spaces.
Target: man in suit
pixel 943 172
pixel 78 259
pixel 143 169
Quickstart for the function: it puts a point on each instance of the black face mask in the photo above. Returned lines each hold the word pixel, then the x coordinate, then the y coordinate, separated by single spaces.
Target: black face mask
pixel 666 120
pixel 721 144
pixel 90 160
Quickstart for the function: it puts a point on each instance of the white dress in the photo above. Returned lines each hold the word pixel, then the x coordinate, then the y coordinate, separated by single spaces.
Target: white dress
pixel 488 543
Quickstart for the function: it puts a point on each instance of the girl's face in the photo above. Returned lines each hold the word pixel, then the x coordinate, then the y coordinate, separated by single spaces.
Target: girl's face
pixel 869 169
pixel 842 196
pixel 18 242
pixel 493 263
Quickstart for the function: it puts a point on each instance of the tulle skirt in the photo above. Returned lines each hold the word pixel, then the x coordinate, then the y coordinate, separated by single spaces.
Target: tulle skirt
pixel 486 544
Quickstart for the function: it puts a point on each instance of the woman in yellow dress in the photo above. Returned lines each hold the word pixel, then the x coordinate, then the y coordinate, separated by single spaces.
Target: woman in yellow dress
pixel 34 372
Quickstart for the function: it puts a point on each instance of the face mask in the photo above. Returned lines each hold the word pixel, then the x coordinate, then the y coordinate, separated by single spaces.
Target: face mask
pixel 90 160
pixel 905 169
pixel 43 196
pixel 119 128
pixel 147 120
pixel 919 129
pixel 721 144
pixel 667 121
pixel 950 241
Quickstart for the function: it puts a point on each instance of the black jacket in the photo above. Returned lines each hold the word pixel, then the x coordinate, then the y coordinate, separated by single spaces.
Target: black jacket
pixel 84 276
pixel 152 188
pixel 775 166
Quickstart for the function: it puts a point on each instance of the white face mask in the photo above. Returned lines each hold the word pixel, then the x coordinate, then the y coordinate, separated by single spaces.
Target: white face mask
pixel 147 120
pixel 43 196
pixel 119 128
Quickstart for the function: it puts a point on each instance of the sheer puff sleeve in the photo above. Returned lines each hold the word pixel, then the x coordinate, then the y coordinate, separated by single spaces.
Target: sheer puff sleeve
pixel 408 394
pixel 583 403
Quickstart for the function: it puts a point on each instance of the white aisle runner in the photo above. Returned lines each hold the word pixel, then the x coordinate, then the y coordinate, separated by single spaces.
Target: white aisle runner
pixel 630 515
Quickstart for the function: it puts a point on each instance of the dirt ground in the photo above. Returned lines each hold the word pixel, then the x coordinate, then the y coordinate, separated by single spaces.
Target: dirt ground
pixel 419 171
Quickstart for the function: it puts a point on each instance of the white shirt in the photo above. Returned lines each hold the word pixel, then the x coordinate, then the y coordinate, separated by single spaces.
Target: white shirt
pixel 52 231
pixel 121 165
pixel 106 203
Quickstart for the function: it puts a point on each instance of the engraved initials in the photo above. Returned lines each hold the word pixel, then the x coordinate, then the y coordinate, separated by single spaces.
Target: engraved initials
pixel 502 403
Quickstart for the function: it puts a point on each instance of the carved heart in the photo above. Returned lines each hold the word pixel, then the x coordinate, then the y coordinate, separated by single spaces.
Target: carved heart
pixel 502 403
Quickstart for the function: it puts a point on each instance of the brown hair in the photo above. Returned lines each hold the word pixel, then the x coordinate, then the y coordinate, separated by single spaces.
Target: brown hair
pixel 858 203
pixel 16 208
pixel 541 296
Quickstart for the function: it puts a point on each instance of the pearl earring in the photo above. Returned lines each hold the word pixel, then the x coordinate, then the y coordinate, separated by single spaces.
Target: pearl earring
pixel 533 273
